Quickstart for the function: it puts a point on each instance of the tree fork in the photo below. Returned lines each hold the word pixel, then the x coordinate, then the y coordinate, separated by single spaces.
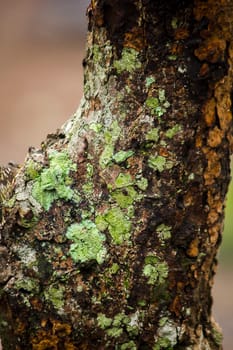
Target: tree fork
pixel 110 231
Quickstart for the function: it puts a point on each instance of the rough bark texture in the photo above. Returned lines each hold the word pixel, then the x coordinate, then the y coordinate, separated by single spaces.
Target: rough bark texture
pixel 110 231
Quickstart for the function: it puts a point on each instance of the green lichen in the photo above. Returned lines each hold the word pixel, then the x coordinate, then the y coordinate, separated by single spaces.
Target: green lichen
pixel 106 155
pixel 129 61
pixel 164 232
pixel 28 222
pixel 164 344
pixel 167 335
pixel 123 180
pixel 117 222
pixel 97 127
pixel 103 321
pixel 191 177
pixel 125 197
pixel 88 188
pixel 155 270
pixel 88 242
pixel 113 269
pixel 88 185
pixel 113 133
pixel 113 329
pixel 121 156
pixel 123 200
pixel 157 105
pixel 142 303
pixel 217 335
pixel 119 225
pixel 32 170
pixel 174 23
pixel 110 137
pixel 128 346
pixel 153 135
pixel 170 133
pixel 152 103
pixel 142 183
pixel 172 57
pixel 27 284
pixel 101 223
pixel 115 326
pixel 55 295
pixel 97 54
pixel 161 94
pixel 149 81
pixel 54 182
pixel 114 332
pixel 157 163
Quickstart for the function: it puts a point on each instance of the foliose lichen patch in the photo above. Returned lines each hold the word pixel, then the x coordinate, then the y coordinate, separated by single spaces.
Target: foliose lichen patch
pixel 88 242
pixel 54 182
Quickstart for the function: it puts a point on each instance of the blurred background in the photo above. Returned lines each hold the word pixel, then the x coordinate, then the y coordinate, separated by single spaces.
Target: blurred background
pixel 41 50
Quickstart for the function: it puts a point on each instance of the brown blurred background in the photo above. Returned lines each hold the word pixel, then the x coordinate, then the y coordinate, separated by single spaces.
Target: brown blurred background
pixel 41 51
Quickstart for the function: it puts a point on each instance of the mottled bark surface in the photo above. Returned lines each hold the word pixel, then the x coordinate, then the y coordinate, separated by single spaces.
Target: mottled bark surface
pixel 110 232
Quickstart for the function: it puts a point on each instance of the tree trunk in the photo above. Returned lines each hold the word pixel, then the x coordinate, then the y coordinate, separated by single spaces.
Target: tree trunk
pixel 110 231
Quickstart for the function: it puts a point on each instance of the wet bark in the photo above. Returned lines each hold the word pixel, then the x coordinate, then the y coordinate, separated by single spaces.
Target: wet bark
pixel 110 231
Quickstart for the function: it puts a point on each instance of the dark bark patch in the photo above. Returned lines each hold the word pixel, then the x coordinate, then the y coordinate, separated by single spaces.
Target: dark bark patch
pixel 119 18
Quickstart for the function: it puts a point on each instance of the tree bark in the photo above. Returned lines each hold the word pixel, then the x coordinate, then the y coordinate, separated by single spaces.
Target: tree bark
pixel 110 231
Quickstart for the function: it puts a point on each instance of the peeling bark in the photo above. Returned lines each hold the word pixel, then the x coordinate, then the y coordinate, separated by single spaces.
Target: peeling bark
pixel 110 231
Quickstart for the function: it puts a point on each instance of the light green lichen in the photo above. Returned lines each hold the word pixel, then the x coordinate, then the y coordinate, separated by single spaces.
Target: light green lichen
pixel 106 155
pixel 129 61
pixel 149 81
pixel 142 183
pixel 157 163
pixel 157 105
pixel 121 156
pixel 164 232
pixel 172 57
pixel 27 284
pixel 174 22
pixel 32 170
pixel 115 326
pixel 119 225
pixel 97 54
pixel 152 103
pixel 167 334
pixel 117 222
pixel 161 94
pixel 88 188
pixel 110 138
pixel 170 133
pixel 123 180
pixel 128 346
pixel 114 269
pixel 54 182
pixel 55 295
pixel 217 335
pixel 88 242
pixel 113 133
pixel 155 270
pixel 97 127
pixel 104 321
pixel 153 135
pixel 164 344
pixel 191 177
pixel 88 185
pixel 123 199
pixel 130 211
pixel 101 223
